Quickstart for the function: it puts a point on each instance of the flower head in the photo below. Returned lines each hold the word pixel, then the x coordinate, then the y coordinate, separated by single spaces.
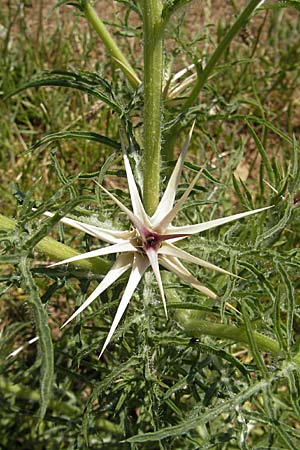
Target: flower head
pixel 150 242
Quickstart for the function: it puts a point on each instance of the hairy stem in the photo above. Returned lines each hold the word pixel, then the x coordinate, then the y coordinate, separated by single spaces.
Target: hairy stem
pixel 110 44
pixel 153 73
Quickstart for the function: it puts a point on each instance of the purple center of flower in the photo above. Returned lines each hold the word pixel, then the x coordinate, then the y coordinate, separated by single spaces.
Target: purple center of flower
pixel 152 240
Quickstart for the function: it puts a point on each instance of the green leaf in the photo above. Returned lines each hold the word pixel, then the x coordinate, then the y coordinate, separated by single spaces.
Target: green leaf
pixel 105 166
pixel 205 172
pixel 44 334
pixel 100 387
pixel 290 304
pixel 238 190
pixel 9 259
pixel 248 194
pixel 200 419
pixel 278 325
pixel 294 395
pixel 263 154
pixel 280 223
pixel 87 82
pixel 210 349
pixel 88 135
pixel 253 344
pixel 295 183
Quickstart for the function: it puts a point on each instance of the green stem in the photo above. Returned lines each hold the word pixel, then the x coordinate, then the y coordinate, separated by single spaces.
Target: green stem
pixel 206 72
pixel 58 251
pixel 153 73
pixel 197 327
pixel 110 44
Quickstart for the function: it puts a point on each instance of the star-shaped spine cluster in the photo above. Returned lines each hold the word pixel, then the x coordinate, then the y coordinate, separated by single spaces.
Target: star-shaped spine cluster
pixel 149 242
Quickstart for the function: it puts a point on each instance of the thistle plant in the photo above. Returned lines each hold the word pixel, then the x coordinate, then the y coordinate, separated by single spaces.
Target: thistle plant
pixel 149 243
pixel 138 261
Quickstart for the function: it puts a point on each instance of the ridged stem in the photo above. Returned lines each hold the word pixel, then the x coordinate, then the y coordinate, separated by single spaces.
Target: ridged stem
pixel 153 73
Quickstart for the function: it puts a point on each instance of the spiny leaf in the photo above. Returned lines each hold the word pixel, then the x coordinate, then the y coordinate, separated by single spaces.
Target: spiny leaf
pixel 290 304
pixel 102 172
pixel 261 277
pixel 278 323
pixel 86 82
pixel 294 185
pixel 248 195
pixel 44 333
pixel 263 153
pixel 238 191
pixel 99 388
pixel 88 135
pixel 253 344
pixel 9 259
pixel 279 225
pixel 187 425
pixel 210 349
pixel 294 395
